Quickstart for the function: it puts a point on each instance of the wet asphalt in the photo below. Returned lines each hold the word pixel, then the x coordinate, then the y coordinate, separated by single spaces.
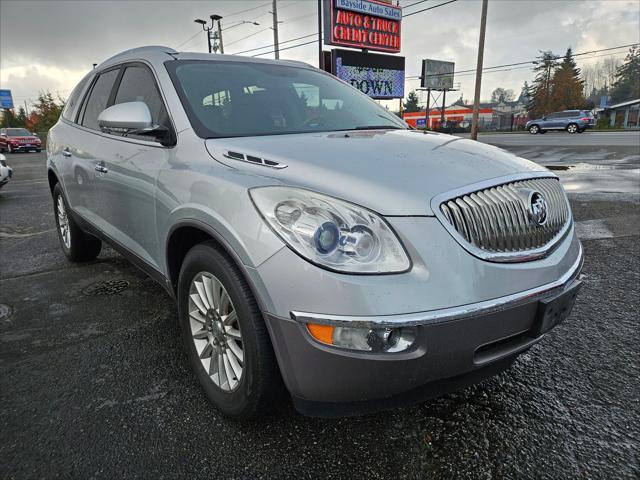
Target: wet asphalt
pixel 94 383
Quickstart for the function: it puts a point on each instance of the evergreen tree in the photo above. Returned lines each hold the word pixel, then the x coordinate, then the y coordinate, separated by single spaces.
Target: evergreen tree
pixel 411 104
pixel 567 86
pixel 525 93
pixel 21 118
pixel 46 112
pixel 627 84
pixel 541 88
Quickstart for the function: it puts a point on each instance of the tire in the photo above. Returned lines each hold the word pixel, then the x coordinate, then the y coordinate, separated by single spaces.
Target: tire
pixel 76 244
pixel 259 383
pixel 534 129
pixel 572 128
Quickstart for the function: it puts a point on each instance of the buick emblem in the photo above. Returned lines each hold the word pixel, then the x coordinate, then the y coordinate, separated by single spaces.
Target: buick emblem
pixel 538 209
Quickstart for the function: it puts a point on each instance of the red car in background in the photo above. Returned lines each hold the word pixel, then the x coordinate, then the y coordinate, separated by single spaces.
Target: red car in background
pixel 18 140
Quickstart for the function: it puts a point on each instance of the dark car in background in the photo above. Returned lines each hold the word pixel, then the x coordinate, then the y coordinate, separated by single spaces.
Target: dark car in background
pixel 18 140
pixel 573 121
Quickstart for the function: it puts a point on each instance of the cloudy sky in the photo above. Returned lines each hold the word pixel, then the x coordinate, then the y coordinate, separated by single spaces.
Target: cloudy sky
pixel 50 45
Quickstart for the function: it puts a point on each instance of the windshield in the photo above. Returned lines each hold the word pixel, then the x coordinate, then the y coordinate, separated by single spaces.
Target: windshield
pixel 238 99
pixel 18 132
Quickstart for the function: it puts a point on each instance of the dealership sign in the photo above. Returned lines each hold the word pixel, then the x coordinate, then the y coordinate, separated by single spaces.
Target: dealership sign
pixel 367 24
pixel 379 76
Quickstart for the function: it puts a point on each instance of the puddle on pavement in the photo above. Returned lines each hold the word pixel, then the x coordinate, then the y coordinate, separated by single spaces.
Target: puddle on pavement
pixel 587 167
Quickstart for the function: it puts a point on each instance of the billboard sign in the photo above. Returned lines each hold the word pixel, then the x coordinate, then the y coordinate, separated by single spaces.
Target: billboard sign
pixel 379 76
pixel 437 75
pixel 6 100
pixel 368 24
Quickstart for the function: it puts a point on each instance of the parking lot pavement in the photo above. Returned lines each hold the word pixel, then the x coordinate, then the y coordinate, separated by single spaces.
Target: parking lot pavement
pixel 94 384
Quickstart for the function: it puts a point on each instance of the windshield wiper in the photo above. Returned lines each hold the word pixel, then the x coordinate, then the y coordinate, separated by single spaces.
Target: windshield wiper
pixel 378 127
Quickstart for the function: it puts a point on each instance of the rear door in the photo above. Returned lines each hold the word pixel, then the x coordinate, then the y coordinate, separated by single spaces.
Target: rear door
pixel 80 149
pixel 131 164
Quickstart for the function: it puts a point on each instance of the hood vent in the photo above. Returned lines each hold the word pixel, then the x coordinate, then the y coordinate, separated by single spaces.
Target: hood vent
pixel 253 159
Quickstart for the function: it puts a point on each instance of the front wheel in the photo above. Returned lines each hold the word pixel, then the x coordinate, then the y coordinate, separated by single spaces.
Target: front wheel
pixel 224 334
pixel 77 245
pixel 533 129
pixel 572 128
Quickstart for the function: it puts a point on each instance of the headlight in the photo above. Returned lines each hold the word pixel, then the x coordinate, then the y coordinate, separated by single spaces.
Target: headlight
pixel 330 232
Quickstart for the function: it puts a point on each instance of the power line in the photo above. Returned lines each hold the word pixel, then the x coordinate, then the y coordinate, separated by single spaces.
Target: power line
pixel 244 38
pixel 557 57
pixel 429 8
pixel 415 3
pixel 267 46
pixel 286 48
pixel 246 10
pixel 189 39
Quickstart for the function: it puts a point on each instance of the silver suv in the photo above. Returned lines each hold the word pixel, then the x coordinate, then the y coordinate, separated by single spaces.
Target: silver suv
pixel 309 237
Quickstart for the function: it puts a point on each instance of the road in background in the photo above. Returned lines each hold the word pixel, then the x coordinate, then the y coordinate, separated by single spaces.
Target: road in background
pixel 94 383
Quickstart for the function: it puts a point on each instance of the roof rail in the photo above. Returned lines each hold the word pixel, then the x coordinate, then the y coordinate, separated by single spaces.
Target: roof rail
pixel 149 48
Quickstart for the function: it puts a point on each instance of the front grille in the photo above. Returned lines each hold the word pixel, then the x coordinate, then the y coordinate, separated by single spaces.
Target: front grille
pixel 501 220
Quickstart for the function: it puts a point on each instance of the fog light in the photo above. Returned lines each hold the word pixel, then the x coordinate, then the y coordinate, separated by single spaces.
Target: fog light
pixel 365 339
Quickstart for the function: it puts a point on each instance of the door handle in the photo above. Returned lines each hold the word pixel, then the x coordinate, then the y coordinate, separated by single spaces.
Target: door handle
pixel 66 152
pixel 101 169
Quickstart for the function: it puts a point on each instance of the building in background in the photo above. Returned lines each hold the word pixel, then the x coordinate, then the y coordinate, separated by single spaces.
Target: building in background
pixel 621 115
pixel 492 116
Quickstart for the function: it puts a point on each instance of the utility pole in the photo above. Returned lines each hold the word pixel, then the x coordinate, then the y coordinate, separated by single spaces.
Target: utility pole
pixel 276 44
pixel 476 99
pixel 220 44
pixel 427 110
pixel 444 96
pixel 320 57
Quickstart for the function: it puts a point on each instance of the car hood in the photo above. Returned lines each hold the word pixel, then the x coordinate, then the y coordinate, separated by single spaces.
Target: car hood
pixel 393 172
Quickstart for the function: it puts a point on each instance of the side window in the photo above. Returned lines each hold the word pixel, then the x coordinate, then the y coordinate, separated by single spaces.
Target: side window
pixel 74 99
pixel 139 85
pixel 552 116
pixel 98 98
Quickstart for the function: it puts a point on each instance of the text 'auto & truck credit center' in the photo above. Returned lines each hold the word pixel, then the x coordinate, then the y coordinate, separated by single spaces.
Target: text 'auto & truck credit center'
pixel 368 25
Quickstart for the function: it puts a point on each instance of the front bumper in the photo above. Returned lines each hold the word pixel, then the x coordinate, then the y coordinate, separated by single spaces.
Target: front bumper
pixel 24 148
pixel 454 347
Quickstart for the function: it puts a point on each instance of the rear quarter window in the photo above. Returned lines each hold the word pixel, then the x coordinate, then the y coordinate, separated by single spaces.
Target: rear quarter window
pixel 74 99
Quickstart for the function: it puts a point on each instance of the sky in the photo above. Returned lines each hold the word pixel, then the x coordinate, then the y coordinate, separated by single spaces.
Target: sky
pixel 51 45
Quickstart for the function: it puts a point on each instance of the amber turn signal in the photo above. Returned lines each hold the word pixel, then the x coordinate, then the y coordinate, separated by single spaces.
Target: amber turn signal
pixel 322 333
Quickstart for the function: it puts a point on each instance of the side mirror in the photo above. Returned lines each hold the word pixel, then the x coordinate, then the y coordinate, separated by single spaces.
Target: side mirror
pixel 124 117
pixel 133 118
pixel 544 118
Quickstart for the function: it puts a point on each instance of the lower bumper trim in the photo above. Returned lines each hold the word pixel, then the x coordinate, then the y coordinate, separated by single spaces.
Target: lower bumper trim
pixel 417 395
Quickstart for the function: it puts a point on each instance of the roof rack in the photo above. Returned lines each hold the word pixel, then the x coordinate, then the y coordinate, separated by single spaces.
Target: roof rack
pixel 150 48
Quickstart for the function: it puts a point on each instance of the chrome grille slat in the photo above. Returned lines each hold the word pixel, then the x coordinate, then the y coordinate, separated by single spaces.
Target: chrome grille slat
pixel 496 219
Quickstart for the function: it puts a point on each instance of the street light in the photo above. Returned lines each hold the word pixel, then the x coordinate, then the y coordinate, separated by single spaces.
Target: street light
pixel 206 29
pixel 217 35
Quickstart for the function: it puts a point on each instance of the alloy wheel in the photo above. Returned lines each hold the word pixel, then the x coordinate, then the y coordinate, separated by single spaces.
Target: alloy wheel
pixel 215 331
pixel 572 128
pixel 63 223
pixel 533 130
